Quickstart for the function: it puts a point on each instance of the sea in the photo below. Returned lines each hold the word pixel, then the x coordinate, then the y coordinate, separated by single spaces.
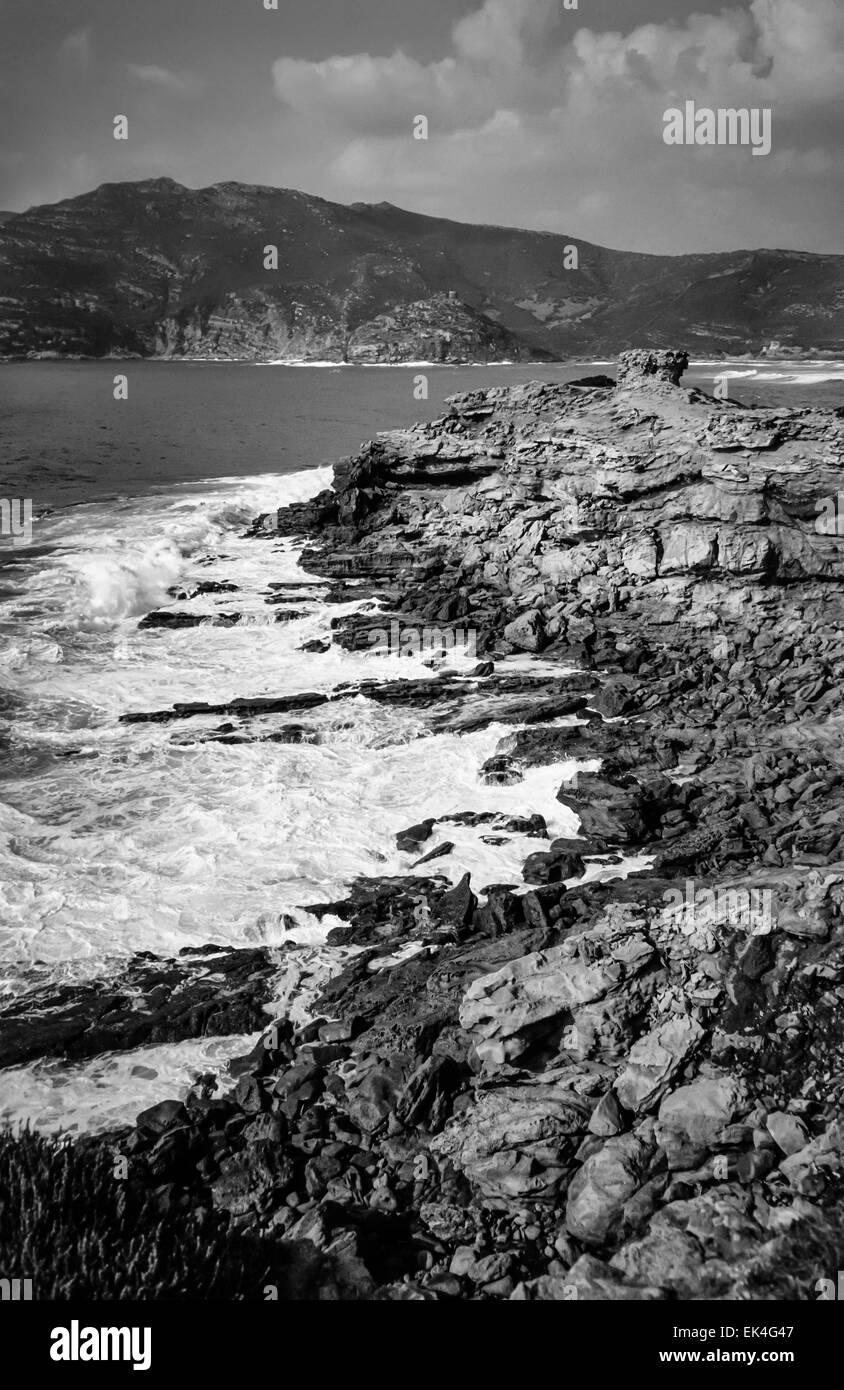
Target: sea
pixel 119 838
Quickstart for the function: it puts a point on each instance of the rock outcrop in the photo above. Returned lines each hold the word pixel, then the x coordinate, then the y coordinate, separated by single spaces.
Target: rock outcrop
pixel 576 1087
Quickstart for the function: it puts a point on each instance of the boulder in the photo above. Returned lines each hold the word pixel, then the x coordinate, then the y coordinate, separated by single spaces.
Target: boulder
pixel 607 1119
pixel 591 1280
pixel 527 632
pixel 373 1091
pixel 787 1131
pixel 663 1259
pixel 518 1141
pixel 507 1007
pixel 612 812
pixel 693 1117
pixel 654 1060
pixel 599 1190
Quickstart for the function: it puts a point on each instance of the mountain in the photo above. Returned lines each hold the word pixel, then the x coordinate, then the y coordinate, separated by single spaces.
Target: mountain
pixel 156 269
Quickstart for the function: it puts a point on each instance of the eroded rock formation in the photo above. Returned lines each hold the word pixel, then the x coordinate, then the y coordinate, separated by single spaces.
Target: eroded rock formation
pixel 627 1089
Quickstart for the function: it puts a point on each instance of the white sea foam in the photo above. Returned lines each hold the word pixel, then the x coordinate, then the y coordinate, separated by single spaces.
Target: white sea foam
pixel 144 837
pixel 383 366
pixel 735 375
pixel 804 378
pixel 108 1092
pixel 763 373
pixel 153 845
pixel 147 839
pixel 139 837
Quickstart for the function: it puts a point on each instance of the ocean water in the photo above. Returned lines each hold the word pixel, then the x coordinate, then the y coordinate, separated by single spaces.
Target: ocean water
pixel 118 838
pixel 64 439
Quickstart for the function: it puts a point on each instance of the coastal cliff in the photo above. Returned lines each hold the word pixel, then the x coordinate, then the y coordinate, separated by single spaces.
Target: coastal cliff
pixel 620 1077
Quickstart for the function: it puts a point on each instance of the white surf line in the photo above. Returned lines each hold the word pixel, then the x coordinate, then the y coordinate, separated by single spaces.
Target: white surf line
pixel 108 1092
pixel 329 784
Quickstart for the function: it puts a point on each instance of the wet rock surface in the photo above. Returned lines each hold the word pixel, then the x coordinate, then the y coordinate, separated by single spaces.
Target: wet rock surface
pixel 202 993
pixel 628 1089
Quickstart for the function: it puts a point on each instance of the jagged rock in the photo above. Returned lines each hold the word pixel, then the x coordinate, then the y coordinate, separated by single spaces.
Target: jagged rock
pixel 692 1119
pixel 665 1259
pixel 526 632
pixel 787 1132
pixel 676 1034
pixel 640 367
pixel 373 1090
pixel 503 1010
pixel 591 1280
pixel 409 840
pixel 184 592
pixel 612 812
pixel 247 1177
pixel 164 619
pixel 819 1162
pixel 552 867
pixel 426 1098
pixel 548 1288
pixel 654 1060
pixel 599 1190
pixel 518 1141
pixel 162 1117
pixel 450 1223
pixel 607 1119
pixel 207 992
pixel 456 907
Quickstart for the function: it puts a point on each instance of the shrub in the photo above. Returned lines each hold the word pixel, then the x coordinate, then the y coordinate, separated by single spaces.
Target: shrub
pixel 77 1231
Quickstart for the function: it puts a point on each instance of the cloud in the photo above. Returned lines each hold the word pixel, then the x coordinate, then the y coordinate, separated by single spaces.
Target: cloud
pixel 182 83
pixel 500 34
pixel 528 96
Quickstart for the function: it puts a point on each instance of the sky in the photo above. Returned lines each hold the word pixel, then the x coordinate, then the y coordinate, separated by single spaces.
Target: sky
pixel 539 115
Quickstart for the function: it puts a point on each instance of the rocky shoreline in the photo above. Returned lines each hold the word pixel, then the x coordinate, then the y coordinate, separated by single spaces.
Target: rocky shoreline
pixel 569 1086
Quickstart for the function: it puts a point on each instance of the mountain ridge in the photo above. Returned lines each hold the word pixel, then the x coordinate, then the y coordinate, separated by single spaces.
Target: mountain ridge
pixel 154 269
